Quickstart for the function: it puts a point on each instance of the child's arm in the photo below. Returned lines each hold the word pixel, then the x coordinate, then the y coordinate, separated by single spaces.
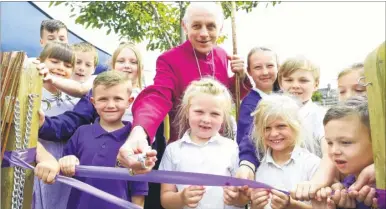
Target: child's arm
pixel 138 191
pixel 247 150
pixel 47 166
pixel 68 86
pixel 237 196
pixel 172 199
pixel 138 200
pixel 70 152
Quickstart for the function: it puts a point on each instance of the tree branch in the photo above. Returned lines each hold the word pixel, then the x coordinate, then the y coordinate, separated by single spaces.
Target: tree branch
pixel 159 22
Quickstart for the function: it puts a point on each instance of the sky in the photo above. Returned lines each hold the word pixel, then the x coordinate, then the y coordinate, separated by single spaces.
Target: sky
pixel 333 35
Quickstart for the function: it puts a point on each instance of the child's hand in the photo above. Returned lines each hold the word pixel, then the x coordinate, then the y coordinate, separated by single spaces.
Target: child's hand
pixel 341 199
pixel 316 204
pixel 41 118
pixel 45 72
pixel 366 195
pixel 47 171
pixel 279 200
pixel 67 164
pixel 305 191
pixel 192 195
pixel 237 196
pixel 259 198
pixel 366 177
pixel 326 192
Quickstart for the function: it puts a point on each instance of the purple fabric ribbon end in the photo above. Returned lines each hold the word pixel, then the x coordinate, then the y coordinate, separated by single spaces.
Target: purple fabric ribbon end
pixel 28 155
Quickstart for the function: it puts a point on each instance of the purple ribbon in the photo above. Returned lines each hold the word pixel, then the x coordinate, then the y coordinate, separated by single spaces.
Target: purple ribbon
pixel 17 159
pixel 168 177
pixel 22 158
pixel 27 155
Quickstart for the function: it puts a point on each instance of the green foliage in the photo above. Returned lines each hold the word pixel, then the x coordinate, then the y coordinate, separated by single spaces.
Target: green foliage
pixel 158 22
pixel 317 96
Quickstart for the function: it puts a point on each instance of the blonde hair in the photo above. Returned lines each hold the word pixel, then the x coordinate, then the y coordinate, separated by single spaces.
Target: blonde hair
pixel 353 67
pixel 86 47
pixel 137 53
pixel 260 49
pixel 205 86
pixel 275 106
pixel 298 63
pixel 58 50
pixel 111 78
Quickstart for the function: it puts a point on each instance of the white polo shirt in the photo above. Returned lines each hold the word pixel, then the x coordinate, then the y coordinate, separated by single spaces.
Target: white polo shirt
pixel 217 156
pixel 312 116
pixel 300 167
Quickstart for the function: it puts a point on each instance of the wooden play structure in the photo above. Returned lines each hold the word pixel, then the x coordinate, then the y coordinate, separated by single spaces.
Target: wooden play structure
pixel 21 88
pixel 374 80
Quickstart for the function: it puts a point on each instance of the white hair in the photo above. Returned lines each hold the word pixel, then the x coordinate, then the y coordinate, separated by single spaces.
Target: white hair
pixel 212 7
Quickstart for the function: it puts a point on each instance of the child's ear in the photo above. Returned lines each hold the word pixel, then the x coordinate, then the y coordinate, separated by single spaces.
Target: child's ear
pixel 92 100
pixel 41 43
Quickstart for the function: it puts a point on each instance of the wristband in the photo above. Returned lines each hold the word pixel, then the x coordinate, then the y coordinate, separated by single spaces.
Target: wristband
pixel 250 167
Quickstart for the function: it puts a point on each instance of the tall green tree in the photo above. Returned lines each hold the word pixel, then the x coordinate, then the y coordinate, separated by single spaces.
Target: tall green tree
pixel 157 22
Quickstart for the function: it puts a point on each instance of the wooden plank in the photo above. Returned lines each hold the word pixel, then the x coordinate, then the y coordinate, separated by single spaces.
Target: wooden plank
pixel 30 83
pixel 376 75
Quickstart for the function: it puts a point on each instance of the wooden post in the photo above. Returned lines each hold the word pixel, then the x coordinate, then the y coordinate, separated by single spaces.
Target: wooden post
pixel 28 82
pixel 375 77
pixel 234 42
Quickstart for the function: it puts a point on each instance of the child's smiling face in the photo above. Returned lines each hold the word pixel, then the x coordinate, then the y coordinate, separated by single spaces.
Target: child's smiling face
pixel 349 144
pixel 59 68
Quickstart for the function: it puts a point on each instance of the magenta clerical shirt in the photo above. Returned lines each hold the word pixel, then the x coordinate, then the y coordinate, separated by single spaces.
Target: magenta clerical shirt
pixel 175 70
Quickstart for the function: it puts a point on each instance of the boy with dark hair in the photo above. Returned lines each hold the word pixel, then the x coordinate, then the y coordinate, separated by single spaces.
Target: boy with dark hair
pixel 53 30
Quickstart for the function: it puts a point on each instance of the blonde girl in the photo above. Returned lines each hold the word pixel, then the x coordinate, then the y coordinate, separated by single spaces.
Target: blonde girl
pixel 277 132
pixel 205 111
pixel 262 67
